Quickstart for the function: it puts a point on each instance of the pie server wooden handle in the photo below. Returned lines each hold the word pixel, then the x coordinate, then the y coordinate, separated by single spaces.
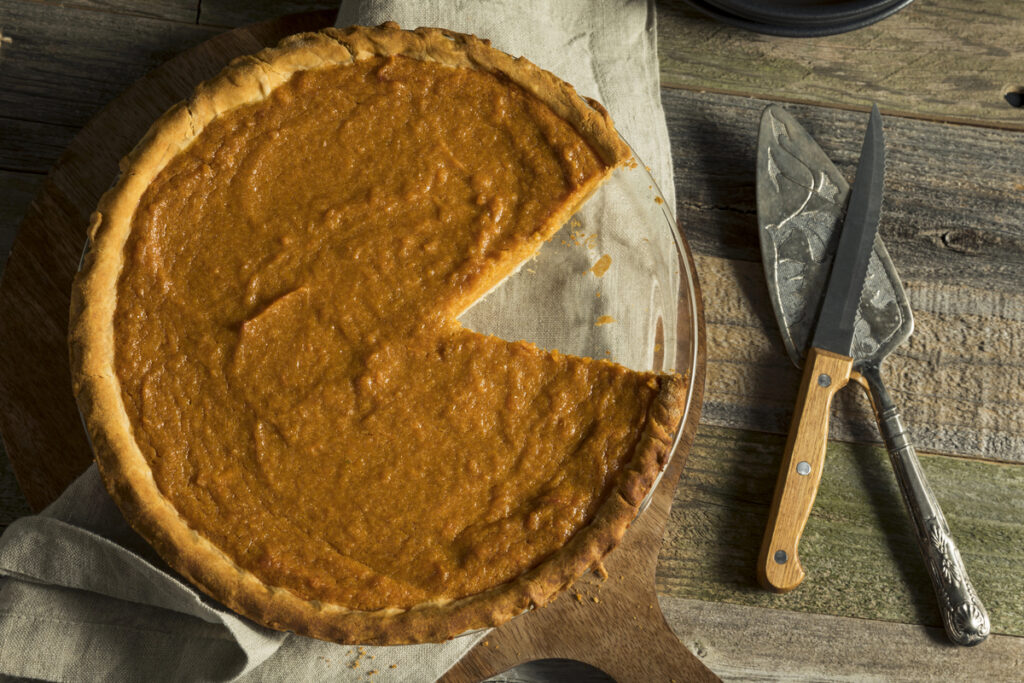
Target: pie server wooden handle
pixel 825 373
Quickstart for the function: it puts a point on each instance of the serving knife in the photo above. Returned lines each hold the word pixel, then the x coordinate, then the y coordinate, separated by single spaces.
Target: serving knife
pixel 801 197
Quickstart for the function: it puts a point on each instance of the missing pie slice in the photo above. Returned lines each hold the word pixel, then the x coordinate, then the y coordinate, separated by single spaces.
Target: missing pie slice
pixel 265 348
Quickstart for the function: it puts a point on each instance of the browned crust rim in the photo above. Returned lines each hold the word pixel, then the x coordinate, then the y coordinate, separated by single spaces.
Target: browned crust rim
pixel 124 468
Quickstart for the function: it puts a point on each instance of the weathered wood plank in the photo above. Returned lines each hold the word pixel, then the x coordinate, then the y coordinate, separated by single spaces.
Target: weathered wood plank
pixel 553 670
pixel 952 222
pixel 232 13
pixel 956 380
pixel 947 61
pixel 63 63
pixel 755 644
pixel 858 548
pixel 31 146
pixel 954 195
pixel 172 10
pixel 17 192
pixel 12 501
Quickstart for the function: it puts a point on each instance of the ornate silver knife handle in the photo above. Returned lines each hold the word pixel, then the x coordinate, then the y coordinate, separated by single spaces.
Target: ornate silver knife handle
pixel 964 616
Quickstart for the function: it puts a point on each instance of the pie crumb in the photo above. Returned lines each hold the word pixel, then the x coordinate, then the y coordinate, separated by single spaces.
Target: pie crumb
pixel 602 266
pixel 595 599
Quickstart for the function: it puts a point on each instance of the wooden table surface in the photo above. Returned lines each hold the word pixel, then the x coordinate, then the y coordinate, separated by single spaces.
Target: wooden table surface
pixel 953 221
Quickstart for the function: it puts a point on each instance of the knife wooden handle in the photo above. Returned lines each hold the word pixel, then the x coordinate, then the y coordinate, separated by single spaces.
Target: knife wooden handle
pixel 825 373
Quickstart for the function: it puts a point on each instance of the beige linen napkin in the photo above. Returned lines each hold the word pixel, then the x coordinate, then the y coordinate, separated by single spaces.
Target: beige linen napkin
pixel 83 598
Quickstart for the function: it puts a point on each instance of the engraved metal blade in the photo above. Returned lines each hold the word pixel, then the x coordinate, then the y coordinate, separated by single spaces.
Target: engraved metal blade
pixel 834 331
pixel 801 198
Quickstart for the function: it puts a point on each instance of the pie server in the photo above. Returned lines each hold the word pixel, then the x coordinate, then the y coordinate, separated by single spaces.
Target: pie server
pixel 801 200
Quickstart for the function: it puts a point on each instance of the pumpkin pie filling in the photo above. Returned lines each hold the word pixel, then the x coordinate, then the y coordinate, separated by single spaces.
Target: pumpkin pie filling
pixel 288 353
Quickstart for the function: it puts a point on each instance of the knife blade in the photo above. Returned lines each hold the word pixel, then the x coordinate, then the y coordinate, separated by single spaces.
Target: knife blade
pixel 827 369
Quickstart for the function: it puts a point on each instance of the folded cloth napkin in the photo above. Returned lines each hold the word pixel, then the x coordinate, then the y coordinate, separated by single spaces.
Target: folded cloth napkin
pixel 83 598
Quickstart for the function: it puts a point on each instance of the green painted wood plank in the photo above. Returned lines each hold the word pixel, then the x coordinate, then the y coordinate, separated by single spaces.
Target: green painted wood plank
pixel 741 643
pixel 947 61
pixel 858 548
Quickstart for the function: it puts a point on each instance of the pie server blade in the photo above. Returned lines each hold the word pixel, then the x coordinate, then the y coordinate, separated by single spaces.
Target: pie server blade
pixel 801 201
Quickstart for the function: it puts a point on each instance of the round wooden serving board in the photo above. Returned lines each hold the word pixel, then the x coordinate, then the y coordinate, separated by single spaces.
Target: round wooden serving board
pixel 614 624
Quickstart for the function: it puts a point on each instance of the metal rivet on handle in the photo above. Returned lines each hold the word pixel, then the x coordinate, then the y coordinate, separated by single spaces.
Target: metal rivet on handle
pixel 824 380
pixel 781 557
pixel 803 467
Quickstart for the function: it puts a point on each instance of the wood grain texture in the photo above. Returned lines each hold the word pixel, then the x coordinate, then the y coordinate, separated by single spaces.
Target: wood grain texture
pixel 940 60
pixel 231 13
pixel 64 63
pixel 742 643
pixel 12 501
pixel 796 490
pixel 954 379
pixel 858 547
pixel 606 624
pixel 954 195
pixel 18 191
pixel 554 670
pixel 952 223
pixel 171 10
pixel 31 146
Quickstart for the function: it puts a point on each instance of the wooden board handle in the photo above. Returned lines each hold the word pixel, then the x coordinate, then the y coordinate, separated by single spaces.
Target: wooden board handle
pixel 825 373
